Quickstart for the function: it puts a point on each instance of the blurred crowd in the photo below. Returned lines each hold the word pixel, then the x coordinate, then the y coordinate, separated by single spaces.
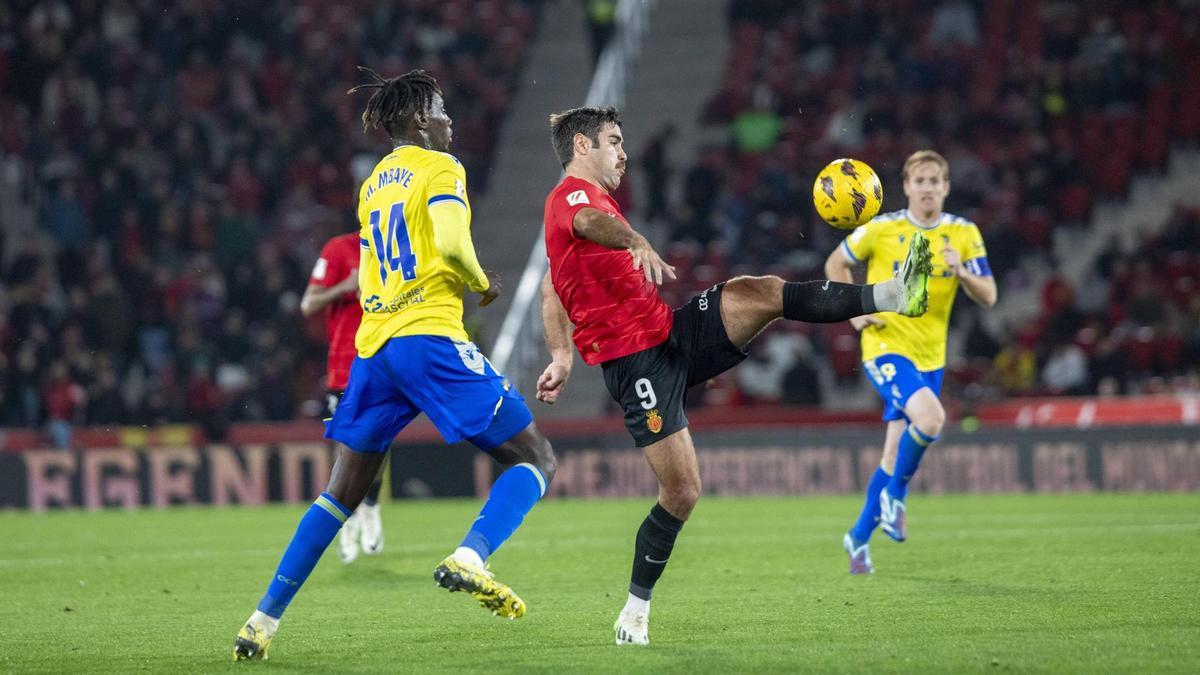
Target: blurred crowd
pixel 1042 108
pixel 183 164
pixel 1131 326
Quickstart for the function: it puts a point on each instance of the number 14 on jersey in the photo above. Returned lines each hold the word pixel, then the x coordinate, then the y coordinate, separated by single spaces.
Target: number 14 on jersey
pixel 393 248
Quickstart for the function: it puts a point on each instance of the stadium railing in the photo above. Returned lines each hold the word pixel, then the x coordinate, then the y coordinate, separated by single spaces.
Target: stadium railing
pixel 518 344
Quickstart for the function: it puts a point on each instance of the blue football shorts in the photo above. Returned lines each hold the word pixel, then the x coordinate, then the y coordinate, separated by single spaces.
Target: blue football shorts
pixel 449 380
pixel 897 379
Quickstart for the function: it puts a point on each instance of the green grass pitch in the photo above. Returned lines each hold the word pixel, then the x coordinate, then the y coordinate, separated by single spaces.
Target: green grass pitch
pixel 986 583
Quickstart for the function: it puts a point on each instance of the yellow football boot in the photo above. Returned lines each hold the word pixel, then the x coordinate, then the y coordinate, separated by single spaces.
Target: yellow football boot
pixel 252 641
pixel 456 575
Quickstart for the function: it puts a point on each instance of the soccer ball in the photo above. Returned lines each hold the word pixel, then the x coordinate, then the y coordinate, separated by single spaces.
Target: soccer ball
pixel 847 193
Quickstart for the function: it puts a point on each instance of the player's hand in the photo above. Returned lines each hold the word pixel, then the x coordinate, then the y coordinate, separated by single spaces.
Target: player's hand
pixel 953 260
pixel 861 322
pixel 493 289
pixel 550 384
pixel 350 283
pixel 646 259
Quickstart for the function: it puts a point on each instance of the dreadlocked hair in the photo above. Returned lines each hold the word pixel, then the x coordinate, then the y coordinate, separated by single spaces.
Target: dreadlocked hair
pixel 396 100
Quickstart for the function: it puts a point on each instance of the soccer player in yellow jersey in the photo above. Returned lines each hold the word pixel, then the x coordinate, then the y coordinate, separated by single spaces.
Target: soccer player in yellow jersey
pixel 414 356
pixel 904 356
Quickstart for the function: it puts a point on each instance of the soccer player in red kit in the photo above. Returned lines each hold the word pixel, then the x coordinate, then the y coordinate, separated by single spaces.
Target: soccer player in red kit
pixel 333 289
pixel 604 279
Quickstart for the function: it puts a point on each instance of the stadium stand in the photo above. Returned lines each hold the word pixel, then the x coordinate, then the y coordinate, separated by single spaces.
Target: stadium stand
pixel 181 186
pixel 184 162
pixel 1042 108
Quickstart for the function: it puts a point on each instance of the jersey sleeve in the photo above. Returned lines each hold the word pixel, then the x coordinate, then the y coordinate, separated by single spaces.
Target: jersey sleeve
pixel 450 213
pixel 449 184
pixel 859 245
pixel 569 202
pixel 452 237
pixel 329 268
pixel 973 252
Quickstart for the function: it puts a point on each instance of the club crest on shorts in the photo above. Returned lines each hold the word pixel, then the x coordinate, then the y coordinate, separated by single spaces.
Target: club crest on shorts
pixel 471 357
pixel 654 421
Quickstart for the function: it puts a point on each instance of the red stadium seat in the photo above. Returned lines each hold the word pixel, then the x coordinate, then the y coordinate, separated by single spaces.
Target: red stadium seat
pixel 1030 33
pixel 1140 350
pixel 1169 353
pixel 1090 138
pixel 1035 227
pixel 1152 145
pixel 1187 108
pixel 1116 172
pixel 1074 202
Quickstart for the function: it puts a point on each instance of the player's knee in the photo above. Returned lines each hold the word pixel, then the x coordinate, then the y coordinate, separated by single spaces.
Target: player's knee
pixel 768 285
pixel 765 290
pixel 537 451
pixel 930 420
pixel 546 462
pixel 679 500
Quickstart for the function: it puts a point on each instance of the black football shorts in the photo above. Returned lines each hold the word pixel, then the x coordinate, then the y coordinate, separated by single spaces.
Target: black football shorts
pixel 651 385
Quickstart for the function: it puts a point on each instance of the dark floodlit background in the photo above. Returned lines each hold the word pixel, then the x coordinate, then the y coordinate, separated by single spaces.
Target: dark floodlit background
pixel 169 171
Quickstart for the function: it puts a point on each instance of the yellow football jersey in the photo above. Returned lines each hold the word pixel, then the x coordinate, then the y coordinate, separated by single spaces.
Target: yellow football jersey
pixel 882 244
pixel 407 288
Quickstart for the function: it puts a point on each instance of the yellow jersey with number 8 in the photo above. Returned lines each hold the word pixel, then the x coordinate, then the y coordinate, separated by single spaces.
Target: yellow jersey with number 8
pixel 407 288
pixel 882 244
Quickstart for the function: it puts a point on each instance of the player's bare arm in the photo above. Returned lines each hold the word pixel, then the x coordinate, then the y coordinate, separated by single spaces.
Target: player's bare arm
pixel 839 267
pixel 981 289
pixel 601 228
pixel 557 329
pixel 317 298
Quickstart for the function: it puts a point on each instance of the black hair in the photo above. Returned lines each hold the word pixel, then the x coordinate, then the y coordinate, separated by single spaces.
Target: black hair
pixel 396 100
pixel 587 121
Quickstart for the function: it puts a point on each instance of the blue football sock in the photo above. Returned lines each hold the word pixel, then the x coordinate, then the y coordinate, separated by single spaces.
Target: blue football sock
pixel 869 518
pixel 912 445
pixel 317 528
pixel 513 495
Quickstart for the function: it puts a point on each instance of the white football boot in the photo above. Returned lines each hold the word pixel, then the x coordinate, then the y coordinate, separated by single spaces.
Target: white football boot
pixel 348 539
pixel 632 628
pixel 370 529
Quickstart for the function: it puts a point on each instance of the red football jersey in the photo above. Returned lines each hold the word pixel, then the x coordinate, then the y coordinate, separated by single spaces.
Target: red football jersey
pixel 616 311
pixel 342 316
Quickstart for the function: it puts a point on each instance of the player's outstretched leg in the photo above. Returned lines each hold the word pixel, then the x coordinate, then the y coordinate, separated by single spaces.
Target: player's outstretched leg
pixel 531 465
pixel 749 304
pixel 352 474
pixel 830 302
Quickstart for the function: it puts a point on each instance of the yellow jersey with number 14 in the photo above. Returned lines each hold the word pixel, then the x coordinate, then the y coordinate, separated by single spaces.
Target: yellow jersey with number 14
pixel 883 244
pixel 407 287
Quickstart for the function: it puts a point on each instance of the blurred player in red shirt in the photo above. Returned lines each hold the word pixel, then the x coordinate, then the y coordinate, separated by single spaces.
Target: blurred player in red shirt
pixel 333 289
pixel 604 279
